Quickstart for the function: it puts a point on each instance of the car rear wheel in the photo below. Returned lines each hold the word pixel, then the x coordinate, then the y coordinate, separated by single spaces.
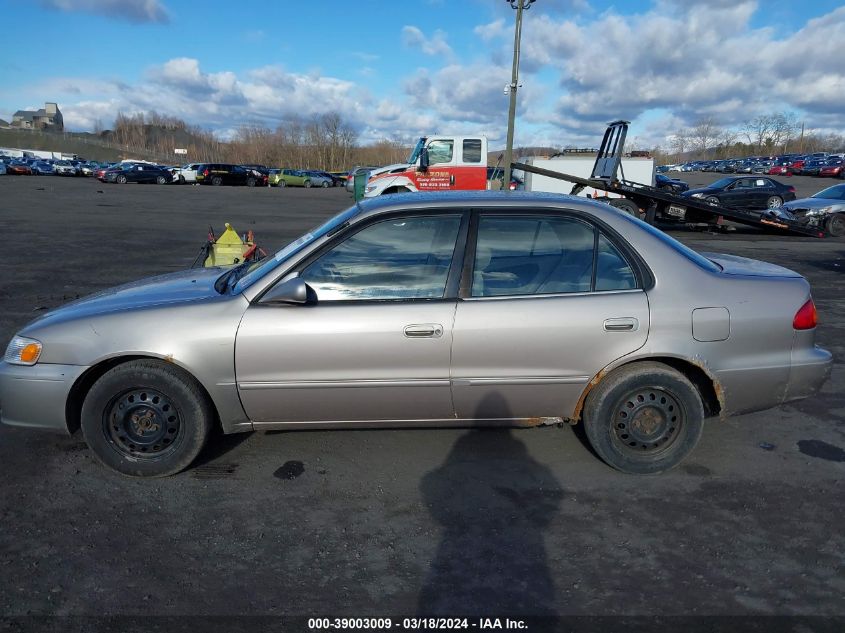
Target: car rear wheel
pixel 146 418
pixel 644 418
pixel 121 179
pixel 774 202
pixel 217 181
pixel 628 206
pixel 836 225
pixel 161 180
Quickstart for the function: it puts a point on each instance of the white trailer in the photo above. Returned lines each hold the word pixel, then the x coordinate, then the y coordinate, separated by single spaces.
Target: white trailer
pixel 640 170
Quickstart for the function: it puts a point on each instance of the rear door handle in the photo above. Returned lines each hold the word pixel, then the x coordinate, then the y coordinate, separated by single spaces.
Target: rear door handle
pixel 423 330
pixel 623 324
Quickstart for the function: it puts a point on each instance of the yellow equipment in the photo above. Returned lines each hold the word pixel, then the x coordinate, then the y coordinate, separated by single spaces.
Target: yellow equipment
pixel 228 249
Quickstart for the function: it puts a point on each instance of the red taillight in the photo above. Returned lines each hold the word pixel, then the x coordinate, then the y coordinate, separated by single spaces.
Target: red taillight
pixel 791 189
pixel 806 318
pixel 205 172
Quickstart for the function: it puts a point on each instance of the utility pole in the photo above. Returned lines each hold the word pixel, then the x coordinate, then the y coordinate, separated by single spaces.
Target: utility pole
pixel 519 5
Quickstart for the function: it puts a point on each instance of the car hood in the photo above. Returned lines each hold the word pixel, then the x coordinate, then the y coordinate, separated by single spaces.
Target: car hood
pixel 701 190
pixel 734 265
pixel 184 286
pixel 812 203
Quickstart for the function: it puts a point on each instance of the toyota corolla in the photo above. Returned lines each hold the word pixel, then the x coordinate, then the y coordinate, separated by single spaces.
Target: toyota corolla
pixel 425 310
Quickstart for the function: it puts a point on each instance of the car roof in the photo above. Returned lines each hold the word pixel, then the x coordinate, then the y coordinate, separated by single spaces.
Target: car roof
pixel 467 199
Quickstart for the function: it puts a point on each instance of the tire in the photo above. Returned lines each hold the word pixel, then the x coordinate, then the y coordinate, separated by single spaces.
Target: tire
pixel 774 202
pixel 628 206
pixel 216 181
pixel 282 184
pixel 712 200
pixel 121 179
pixel 835 225
pixel 644 418
pixel 250 182
pixel 324 185
pixel 146 418
pixel 161 180
pixel 181 179
pixel 307 184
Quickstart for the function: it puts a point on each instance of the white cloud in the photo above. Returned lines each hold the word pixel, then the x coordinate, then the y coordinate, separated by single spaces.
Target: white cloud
pixel 130 10
pixel 413 37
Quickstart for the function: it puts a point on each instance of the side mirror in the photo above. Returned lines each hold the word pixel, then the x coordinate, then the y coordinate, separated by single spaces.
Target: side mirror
pixel 291 291
pixel 424 159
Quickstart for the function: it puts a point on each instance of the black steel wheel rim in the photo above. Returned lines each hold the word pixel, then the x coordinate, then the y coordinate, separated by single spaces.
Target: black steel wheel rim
pixel 647 421
pixel 142 423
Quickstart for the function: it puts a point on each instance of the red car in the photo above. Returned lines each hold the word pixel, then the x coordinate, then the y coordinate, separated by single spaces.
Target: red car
pixel 779 170
pixel 18 169
pixel 833 170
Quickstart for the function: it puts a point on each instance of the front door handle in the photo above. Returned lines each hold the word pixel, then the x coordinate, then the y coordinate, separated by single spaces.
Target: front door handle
pixel 423 330
pixel 623 324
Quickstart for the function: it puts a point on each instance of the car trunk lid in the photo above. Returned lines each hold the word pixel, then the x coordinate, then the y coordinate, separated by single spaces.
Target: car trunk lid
pixel 734 265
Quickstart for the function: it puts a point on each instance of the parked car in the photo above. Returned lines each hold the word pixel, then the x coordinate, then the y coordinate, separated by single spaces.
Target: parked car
pixel 673 185
pixel 813 166
pixel 833 168
pixel 319 180
pixel 186 173
pixel 2 168
pixel 337 180
pixel 366 320
pixel 100 173
pixel 825 209
pixel 780 170
pixel 140 173
pixel 88 168
pixel 41 168
pixel 18 168
pixel 745 193
pixel 226 174
pixel 65 168
pixel 290 178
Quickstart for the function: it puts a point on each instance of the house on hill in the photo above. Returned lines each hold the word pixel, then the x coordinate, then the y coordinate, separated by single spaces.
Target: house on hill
pixel 47 118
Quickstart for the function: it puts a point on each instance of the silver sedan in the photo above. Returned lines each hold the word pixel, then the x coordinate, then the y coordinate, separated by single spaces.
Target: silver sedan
pixel 440 309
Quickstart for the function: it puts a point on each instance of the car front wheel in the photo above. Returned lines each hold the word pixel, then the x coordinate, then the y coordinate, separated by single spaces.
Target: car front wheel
pixel 712 200
pixel 836 225
pixel 146 418
pixel 644 418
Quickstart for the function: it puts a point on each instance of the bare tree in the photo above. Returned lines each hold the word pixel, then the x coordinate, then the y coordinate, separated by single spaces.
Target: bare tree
pixel 703 136
pixel 679 142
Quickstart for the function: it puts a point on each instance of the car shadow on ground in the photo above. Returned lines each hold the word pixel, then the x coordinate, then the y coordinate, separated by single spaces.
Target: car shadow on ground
pixel 219 445
pixel 494 502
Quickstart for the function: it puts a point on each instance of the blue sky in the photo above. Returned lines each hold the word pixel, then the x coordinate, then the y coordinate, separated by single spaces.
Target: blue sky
pixel 397 69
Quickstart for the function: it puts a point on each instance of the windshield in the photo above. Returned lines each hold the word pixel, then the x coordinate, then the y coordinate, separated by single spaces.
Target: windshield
pixel 260 268
pixel 415 154
pixel 836 192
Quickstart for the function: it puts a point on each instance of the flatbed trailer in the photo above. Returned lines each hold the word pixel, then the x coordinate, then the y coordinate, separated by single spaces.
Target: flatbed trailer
pixel 658 203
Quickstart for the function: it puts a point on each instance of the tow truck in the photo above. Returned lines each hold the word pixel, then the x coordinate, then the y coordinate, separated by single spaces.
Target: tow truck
pixel 436 163
pixel 650 203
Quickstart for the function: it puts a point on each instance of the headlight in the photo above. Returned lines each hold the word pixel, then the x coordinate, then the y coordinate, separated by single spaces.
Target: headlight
pixel 697 195
pixel 822 211
pixel 23 351
pixel 371 188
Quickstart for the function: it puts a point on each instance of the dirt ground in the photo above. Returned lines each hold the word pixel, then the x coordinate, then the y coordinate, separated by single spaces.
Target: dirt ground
pixel 373 523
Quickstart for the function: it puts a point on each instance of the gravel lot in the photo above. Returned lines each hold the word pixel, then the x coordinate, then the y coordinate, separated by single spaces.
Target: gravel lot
pixel 358 523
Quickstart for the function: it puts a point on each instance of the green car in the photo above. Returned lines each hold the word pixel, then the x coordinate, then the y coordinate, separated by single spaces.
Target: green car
pixel 289 178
